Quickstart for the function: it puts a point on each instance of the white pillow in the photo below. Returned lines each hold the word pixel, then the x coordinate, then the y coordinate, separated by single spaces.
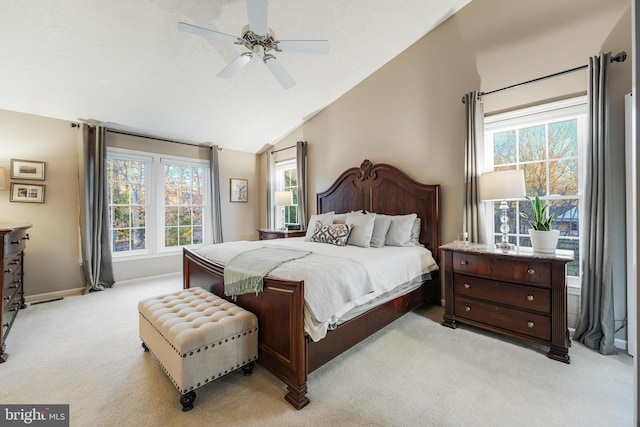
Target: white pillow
pixel 362 229
pixel 399 233
pixel 380 228
pixel 415 233
pixel 325 218
pixel 340 218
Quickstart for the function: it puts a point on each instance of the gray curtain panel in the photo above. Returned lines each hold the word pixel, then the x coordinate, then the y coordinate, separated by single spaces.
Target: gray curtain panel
pixel 595 326
pixel 94 215
pixel 271 168
pixel 473 218
pixel 301 164
pixel 216 211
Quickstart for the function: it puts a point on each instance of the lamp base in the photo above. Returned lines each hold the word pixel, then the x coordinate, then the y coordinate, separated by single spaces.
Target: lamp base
pixel 505 246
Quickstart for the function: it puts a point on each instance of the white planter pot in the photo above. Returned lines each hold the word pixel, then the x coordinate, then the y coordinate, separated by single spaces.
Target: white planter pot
pixel 544 242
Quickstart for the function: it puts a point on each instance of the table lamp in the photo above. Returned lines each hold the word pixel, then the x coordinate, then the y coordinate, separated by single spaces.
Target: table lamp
pixel 500 186
pixel 282 198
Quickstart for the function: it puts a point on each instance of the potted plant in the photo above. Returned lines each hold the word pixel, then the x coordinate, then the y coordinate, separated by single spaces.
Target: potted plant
pixel 543 238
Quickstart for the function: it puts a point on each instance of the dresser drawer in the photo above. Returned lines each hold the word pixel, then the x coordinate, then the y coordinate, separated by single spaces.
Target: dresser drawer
pixel 534 325
pixel 510 270
pixel 521 296
pixel 15 242
pixel 11 266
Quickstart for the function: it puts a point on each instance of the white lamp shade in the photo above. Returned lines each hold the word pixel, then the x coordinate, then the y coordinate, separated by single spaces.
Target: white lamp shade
pixel 502 185
pixel 2 184
pixel 283 198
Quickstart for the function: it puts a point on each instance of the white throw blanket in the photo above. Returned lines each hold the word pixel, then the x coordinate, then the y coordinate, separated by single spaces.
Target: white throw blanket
pixel 336 279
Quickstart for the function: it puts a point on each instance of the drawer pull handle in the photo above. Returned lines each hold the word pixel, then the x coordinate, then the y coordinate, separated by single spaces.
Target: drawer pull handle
pixel 530 324
pixel 15 242
pixel 7 298
pixel 467 286
pixel 531 271
pixel 5 325
pixel 464 262
pixel 14 262
pixel 26 237
pixel 8 270
pixel 467 308
pixel 530 297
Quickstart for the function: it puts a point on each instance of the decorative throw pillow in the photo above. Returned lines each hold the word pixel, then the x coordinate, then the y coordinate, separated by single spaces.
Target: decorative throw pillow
pixel 325 218
pixel 362 228
pixel 399 233
pixel 335 234
pixel 380 228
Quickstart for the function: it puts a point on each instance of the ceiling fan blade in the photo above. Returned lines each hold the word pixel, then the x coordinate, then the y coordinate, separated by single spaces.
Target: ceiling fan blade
pixel 308 46
pixel 279 72
pixel 235 66
pixel 208 33
pixel 257 11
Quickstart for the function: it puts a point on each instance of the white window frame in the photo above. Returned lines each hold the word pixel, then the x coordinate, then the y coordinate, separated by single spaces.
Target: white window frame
pixel 533 116
pixel 279 169
pixel 154 219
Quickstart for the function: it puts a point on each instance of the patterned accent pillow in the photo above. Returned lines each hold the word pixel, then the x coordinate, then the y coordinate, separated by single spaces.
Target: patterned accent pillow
pixel 335 234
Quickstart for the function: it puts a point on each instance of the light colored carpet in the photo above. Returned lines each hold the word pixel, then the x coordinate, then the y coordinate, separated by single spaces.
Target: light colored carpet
pixel 85 351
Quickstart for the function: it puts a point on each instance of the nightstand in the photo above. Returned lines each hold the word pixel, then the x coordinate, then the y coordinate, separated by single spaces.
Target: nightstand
pixel 517 293
pixel 268 233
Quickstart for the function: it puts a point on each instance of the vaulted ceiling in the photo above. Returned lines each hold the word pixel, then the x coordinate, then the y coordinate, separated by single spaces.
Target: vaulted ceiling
pixel 125 62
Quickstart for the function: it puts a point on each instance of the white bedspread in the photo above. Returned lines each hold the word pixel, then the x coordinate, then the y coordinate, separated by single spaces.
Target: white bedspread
pixel 336 279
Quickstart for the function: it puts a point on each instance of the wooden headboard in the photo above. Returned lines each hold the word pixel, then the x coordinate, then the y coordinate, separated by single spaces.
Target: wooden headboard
pixel 385 189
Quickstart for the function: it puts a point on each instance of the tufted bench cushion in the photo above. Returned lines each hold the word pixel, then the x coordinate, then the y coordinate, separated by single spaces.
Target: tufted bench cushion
pixel 197 337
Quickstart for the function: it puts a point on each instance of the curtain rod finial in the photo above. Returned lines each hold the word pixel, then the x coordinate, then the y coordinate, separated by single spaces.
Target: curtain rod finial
pixel 619 57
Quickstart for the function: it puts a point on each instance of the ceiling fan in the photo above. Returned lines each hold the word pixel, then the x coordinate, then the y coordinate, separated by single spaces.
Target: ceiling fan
pixel 261 42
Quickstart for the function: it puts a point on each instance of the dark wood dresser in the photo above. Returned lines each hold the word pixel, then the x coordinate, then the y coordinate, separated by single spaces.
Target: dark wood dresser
pixel 513 292
pixel 14 238
pixel 268 234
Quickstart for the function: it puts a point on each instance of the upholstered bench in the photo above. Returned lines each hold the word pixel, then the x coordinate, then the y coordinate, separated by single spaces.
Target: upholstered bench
pixel 197 337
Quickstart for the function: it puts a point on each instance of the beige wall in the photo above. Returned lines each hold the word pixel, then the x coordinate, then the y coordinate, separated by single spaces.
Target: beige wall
pixel 52 255
pixel 409 113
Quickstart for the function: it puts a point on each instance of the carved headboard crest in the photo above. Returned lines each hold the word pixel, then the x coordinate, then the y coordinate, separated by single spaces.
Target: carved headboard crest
pixel 366 171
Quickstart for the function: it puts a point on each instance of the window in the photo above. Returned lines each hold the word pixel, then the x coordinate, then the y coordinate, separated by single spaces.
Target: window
pixel 286 179
pixel 146 218
pixel 547 143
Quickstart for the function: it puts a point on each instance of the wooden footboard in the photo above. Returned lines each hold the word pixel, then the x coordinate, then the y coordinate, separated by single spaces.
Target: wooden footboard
pixel 279 308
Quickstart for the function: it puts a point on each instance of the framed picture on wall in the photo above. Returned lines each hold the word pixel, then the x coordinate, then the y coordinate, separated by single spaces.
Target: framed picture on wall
pixel 239 190
pixel 27 169
pixel 27 193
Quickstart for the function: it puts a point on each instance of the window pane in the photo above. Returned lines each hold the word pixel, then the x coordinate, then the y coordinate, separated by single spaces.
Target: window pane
pixel 532 144
pixel 185 236
pixel 197 235
pixel 573 268
pixel 563 139
pixel 138 216
pixel 120 193
pixel 171 236
pixel 138 238
pixel 121 240
pixel 185 216
pixel 171 216
pixel 535 179
pixel 197 216
pixel 120 218
pixel 566 217
pixel 563 177
pixel 504 147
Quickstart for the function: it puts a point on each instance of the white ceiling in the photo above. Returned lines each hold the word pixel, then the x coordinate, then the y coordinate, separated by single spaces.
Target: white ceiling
pixel 124 62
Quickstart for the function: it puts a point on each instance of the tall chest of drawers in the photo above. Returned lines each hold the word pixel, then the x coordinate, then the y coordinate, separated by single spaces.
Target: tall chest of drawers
pixel 14 241
pixel 515 292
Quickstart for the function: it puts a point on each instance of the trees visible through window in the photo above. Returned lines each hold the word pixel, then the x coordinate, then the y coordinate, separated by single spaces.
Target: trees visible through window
pixel 546 142
pixel 150 218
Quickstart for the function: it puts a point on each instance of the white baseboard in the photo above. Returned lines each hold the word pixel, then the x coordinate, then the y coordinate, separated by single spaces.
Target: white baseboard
pixel 48 296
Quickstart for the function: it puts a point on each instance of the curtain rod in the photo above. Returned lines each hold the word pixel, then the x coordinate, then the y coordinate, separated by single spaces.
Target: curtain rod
pixel 139 135
pixel 282 149
pixel 620 57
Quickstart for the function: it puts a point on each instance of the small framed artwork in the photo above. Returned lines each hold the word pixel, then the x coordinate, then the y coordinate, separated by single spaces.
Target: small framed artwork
pixel 27 193
pixel 27 169
pixel 239 190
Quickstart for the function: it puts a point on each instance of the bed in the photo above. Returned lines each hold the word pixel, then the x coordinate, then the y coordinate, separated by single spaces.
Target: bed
pixel 284 347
